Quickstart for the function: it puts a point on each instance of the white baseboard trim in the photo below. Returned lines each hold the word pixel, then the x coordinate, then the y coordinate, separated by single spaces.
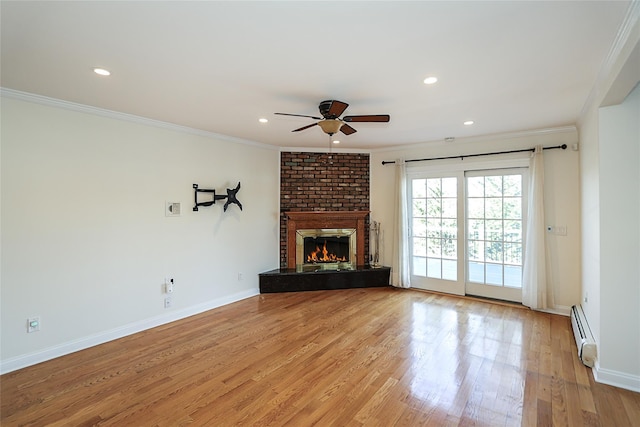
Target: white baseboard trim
pixel 562 310
pixel 19 362
pixel 616 379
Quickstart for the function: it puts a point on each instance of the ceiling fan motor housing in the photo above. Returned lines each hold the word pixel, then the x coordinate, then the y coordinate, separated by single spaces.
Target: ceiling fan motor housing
pixel 324 108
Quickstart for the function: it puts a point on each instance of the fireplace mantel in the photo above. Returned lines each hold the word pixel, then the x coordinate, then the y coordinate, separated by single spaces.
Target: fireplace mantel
pixel 325 219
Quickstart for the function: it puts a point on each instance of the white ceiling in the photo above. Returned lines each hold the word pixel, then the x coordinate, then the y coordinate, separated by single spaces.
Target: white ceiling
pixel 219 66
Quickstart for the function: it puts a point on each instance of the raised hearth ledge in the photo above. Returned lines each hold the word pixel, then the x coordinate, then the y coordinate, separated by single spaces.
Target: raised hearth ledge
pixel 289 280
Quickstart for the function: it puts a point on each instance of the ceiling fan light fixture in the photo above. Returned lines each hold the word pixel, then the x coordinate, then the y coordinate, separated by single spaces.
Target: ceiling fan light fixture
pixel 330 126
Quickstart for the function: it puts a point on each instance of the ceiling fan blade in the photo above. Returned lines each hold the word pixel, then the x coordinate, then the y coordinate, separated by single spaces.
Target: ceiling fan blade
pixel 346 129
pixel 298 115
pixel 367 118
pixel 337 108
pixel 305 127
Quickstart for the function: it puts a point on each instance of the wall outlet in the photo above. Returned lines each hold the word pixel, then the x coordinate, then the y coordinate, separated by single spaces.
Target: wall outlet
pixel 168 302
pixel 240 276
pixel 33 324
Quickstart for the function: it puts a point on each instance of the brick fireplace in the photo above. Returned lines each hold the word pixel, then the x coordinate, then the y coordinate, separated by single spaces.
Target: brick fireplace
pixel 328 193
pixel 334 183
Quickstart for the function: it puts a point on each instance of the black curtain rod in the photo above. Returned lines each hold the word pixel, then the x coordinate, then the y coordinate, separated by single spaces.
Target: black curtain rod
pixel 563 146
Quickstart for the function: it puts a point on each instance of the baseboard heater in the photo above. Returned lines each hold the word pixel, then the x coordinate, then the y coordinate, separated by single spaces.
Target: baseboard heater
pixel 584 338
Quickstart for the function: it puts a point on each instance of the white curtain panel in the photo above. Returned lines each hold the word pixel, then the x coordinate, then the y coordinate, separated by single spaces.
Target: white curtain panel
pixel 400 263
pixel 535 292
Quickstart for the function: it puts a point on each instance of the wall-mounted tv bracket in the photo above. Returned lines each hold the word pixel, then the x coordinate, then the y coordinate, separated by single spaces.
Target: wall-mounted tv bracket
pixel 231 197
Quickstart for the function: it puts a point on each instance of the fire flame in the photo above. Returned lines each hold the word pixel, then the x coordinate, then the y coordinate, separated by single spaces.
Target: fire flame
pixel 325 257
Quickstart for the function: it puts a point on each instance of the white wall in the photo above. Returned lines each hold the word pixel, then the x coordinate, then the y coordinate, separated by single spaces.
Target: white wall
pixel 590 200
pixel 562 196
pixel 610 189
pixel 86 244
pixel 619 142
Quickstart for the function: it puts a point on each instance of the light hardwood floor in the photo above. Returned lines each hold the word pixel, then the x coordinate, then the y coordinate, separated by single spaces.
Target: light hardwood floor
pixel 360 357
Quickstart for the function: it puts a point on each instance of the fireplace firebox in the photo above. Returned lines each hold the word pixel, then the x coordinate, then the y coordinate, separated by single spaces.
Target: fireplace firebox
pixel 325 249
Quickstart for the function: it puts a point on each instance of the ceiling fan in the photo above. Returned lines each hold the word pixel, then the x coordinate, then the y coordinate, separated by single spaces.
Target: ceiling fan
pixel 330 122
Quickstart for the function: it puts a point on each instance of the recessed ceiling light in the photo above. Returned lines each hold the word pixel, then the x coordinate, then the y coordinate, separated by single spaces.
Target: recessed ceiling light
pixel 263 120
pixel 336 142
pixel 102 71
pixel 430 80
pixel 468 123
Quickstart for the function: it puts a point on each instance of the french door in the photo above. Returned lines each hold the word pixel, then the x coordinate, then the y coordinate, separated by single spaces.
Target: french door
pixel 495 217
pixel 435 233
pixel 467 232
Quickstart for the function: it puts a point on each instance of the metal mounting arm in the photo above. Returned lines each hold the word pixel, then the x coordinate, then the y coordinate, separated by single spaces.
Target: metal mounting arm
pixel 231 197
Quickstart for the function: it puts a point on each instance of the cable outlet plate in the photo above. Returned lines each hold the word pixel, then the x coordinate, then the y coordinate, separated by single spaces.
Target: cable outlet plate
pixel 33 324
pixel 172 209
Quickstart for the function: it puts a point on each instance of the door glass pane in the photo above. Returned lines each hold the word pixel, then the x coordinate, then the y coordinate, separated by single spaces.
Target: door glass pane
pixel 513 231
pixel 475 207
pixel 450 187
pixel 419 207
pixel 512 185
pixel 476 272
pixel 449 269
pixel 493 230
pixel 493 207
pixel 419 227
pixel 434 247
pixel 493 186
pixel 494 274
pixel 419 266
pixel 433 268
pixel 449 208
pixel 475 186
pixel 512 208
pixel 419 246
pixel 513 276
pixel 434 208
pixel 493 251
pixel 434 188
pixel 419 188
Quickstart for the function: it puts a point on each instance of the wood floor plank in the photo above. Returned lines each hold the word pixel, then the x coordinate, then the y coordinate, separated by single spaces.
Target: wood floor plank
pixel 359 357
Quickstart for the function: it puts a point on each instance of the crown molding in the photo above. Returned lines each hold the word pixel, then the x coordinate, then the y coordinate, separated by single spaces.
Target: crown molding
pixel 627 33
pixel 81 108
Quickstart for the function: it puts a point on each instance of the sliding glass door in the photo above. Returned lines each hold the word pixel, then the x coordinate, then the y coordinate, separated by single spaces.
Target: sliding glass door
pixel 466 231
